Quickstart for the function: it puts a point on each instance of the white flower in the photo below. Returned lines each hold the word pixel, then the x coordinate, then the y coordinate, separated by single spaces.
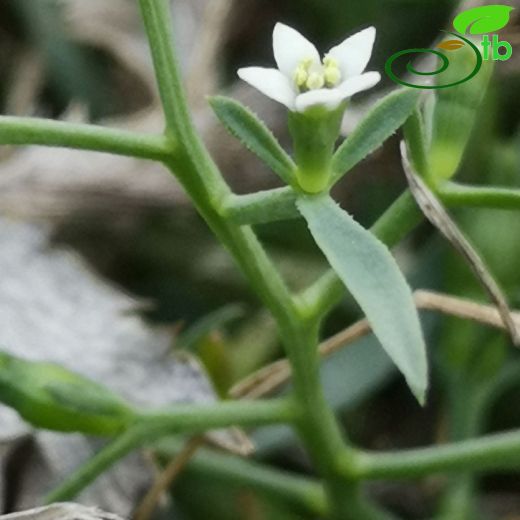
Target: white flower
pixel 303 80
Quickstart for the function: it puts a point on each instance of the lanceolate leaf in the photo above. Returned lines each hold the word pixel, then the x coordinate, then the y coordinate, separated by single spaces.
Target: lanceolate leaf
pixel 51 397
pixel 456 111
pixel 383 120
pixel 245 126
pixel 371 274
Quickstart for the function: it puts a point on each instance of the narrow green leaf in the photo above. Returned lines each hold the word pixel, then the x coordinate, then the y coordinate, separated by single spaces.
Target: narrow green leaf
pixel 247 127
pixel 371 274
pixel 207 324
pixel 456 111
pixel 51 397
pixel 415 137
pixel 387 116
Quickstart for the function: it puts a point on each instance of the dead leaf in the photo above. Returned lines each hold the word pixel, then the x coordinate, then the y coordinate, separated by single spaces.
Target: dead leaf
pixel 439 217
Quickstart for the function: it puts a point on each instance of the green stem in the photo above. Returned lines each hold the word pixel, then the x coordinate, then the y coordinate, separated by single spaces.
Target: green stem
pixel 490 452
pixel 319 429
pixel 182 418
pixel 454 194
pixel 506 380
pixel 198 174
pixel 200 418
pixel 261 207
pixel 459 501
pixel 300 491
pixel 114 451
pixel 466 400
pixel 202 180
pixel 34 131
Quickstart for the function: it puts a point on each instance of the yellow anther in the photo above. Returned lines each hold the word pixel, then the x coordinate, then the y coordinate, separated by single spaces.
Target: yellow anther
pixel 332 72
pixel 301 73
pixel 300 76
pixel 332 76
pixel 315 81
pixel 306 63
pixel 329 61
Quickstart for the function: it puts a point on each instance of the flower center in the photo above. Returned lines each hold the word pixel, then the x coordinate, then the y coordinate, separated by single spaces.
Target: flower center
pixel 309 75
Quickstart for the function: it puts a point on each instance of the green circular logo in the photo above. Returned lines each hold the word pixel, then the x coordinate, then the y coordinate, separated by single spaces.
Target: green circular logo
pixel 444 63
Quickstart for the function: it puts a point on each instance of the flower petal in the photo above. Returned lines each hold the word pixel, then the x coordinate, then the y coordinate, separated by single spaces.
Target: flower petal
pixel 359 83
pixel 325 97
pixel 331 98
pixel 354 53
pixel 270 82
pixel 291 48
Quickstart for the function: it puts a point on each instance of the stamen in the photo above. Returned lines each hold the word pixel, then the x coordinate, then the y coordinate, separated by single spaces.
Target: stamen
pixel 315 81
pixel 332 71
pixel 312 76
pixel 300 76
pixel 332 76
pixel 329 61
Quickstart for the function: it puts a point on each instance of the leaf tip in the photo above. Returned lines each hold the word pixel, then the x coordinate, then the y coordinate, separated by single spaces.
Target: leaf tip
pixel 418 379
pixel 420 392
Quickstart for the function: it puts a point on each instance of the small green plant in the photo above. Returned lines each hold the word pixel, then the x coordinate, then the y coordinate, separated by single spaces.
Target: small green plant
pixel 316 92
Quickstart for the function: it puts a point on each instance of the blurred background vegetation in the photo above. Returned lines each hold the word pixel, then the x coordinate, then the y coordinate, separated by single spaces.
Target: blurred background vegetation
pixel 85 60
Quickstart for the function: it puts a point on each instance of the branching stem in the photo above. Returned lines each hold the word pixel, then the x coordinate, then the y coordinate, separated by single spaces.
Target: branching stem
pixel 46 132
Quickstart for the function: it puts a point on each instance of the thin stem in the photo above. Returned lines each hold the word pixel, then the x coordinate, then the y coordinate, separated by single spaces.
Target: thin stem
pixel 507 379
pixel 156 17
pixel 202 180
pixel 320 431
pixel 109 455
pixel 300 491
pixel 198 174
pixel 203 176
pixel 491 452
pixel 182 418
pixel 35 131
pixel 261 207
pixel 200 418
pixel 454 194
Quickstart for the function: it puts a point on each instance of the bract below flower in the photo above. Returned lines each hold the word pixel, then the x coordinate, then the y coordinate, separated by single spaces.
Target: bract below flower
pixel 303 80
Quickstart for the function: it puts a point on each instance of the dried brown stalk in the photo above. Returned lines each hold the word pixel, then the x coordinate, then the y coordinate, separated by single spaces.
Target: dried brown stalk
pixel 435 212
pixel 271 377
pixel 166 478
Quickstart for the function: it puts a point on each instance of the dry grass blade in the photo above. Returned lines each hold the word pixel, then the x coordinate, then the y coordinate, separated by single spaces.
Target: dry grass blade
pixel 465 309
pixel 272 377
pixel 439 217
pixel 166 478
